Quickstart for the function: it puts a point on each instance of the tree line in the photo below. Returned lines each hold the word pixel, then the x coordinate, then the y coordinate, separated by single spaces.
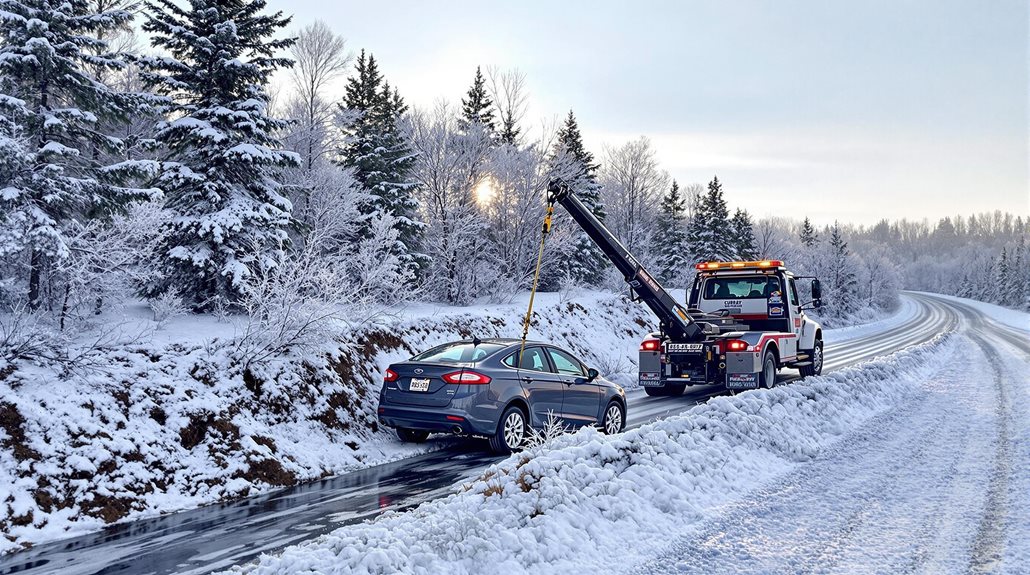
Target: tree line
pixel 169 172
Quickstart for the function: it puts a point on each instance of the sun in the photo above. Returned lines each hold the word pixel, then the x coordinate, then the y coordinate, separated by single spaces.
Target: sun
pixel 485 191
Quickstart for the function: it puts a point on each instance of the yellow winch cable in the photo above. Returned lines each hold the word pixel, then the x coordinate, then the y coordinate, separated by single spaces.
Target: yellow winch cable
pixel 536 278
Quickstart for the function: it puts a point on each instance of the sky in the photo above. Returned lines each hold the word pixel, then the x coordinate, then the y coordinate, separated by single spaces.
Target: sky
pixel 835 110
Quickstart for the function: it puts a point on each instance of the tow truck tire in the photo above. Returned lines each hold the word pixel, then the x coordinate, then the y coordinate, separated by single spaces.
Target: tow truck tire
pixel 767 377
pixel 677 390
pixel 412 435
pixel 815 356
pixel 655 391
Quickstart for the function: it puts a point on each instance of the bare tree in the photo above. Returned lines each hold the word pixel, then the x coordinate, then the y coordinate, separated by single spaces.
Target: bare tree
pixel 320 57
pixel 633 187
pixel 508 91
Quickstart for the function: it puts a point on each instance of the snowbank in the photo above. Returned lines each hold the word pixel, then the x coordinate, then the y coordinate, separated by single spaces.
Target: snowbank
pixel 588 501
pixel 174 422
pixel 1010 317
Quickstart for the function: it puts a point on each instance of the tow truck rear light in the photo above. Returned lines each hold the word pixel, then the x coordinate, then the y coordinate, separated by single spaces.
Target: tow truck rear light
pixel 390 376
pixel 762 264
pixel 650 345
pixel 467 378
pixel 736 345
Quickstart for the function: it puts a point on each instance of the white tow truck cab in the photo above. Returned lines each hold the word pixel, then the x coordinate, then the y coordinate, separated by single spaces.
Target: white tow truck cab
pixel 754 323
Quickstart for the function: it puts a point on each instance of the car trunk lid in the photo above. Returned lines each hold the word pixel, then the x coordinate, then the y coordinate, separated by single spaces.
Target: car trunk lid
pixel 413 377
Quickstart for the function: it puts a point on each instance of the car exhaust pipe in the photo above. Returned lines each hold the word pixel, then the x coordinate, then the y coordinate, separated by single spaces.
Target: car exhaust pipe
pixel 456 430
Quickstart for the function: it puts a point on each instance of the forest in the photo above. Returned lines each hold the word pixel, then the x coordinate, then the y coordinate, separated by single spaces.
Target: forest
pixel 146 156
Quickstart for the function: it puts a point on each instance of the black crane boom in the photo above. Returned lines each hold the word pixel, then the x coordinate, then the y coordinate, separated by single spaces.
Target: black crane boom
pixel 674 320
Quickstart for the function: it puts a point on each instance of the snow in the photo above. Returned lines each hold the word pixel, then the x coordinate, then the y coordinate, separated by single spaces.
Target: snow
pixel 1010 317
pixel 587 502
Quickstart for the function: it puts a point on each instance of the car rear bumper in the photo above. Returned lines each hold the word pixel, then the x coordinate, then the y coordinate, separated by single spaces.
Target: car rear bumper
pixel 434 419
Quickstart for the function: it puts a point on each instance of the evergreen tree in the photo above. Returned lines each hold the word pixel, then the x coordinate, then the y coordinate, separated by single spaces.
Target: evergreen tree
pixel 575 164
pixel 1003 280
pixel 744 236
pixel 809 237
pixel 671 240
pixel 477 107
pixel 381 158
pixel 843 282
pixel 710 232
pixel 223 176
pixel 55 128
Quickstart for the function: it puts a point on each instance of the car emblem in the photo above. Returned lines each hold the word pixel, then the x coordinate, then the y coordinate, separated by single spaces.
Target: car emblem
pixel 418 370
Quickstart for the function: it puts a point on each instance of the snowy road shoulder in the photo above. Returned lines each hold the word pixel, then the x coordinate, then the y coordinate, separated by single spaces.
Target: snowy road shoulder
pixel 573 506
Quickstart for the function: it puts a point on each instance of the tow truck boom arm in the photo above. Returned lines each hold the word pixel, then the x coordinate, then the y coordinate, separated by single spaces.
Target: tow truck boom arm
pixel 673 318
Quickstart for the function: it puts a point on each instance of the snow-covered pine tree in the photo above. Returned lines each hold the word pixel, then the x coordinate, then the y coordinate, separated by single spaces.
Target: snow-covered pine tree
pixel 1002 289
pixel 843 292
pixel 671 237
pixel 808 235
pixel 710 231
pixel 222 173
pixel 476 106
pixel 744 236
pixel 571 161
pixel 381 157
pixel 53 132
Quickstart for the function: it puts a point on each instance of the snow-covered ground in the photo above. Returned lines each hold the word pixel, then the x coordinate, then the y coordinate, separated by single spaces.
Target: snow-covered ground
pixel 1010 317
pixel 589 502
pixel 169 421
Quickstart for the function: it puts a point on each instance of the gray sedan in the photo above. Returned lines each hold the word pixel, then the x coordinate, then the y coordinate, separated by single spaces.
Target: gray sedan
pixel 481 388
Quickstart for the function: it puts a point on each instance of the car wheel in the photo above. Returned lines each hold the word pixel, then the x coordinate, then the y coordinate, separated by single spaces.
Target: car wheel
pixel 815 355
pixel 767 378
pixel 412 435
pixel 511 431
pixel 614 418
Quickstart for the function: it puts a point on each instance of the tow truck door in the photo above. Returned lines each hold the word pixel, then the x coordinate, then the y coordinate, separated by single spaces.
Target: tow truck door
pixel 797 315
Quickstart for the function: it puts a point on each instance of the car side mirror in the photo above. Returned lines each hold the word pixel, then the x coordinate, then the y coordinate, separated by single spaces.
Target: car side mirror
pixel 592 374
pixel 817 291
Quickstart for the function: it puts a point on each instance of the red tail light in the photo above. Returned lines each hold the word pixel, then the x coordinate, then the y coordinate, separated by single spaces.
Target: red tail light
pixel 650 345
pixel 736 345
pixel 467 377
pixel 390 376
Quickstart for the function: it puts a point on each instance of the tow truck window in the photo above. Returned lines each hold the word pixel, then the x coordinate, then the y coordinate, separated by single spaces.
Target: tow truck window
pixel 751 287
pixel 793 293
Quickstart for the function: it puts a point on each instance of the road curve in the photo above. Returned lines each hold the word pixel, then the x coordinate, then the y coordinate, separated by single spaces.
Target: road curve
pixel 218 536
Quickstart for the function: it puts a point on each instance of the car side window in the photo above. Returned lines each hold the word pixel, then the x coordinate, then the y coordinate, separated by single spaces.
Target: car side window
pixel 532 359
pixel 565 363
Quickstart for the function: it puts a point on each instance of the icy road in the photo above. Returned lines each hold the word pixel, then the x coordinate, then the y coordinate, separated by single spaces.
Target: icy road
pixel 932 486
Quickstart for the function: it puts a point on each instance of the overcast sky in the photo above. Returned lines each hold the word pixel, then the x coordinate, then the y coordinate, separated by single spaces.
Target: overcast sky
pixel 850 110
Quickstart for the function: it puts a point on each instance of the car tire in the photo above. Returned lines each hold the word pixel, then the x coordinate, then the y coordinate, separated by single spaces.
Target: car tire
pixel 614 418
pixel 512 431
pixel 767 377
pixel 815 356
pixel 412 435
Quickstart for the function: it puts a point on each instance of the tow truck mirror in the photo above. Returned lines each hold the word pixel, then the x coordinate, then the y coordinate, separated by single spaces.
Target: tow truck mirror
pixel 592 374
pixel 817 292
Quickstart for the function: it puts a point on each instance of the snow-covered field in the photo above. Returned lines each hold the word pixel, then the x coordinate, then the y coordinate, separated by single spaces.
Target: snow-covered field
pixel 170 422
pixel 1010 317
pixel 589 502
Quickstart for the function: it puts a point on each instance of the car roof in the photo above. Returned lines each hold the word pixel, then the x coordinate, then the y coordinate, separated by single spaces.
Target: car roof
pixel 502 341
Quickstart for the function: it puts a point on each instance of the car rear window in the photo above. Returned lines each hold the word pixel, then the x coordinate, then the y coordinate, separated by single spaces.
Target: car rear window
pixel 458 352
pixel 749 287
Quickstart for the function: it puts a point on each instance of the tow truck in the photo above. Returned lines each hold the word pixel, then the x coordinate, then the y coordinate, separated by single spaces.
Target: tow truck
pixel 743 320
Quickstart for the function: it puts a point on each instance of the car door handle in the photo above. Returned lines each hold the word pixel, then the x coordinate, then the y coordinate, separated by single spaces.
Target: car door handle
pixel 527 379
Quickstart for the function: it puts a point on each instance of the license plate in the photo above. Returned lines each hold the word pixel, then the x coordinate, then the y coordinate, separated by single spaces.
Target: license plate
pixel 419 384
pixel 742 381
pixel 687 347
pixel 650 380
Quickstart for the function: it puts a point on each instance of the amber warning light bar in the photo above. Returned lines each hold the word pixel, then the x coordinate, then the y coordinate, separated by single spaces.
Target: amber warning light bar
pixel 764 264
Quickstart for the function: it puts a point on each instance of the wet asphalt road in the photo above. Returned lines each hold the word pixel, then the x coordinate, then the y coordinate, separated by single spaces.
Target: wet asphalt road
pixel 216 537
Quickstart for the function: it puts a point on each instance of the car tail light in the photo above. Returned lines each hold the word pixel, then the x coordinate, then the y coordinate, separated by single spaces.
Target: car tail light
pixel 390 376
pixel 736 345
pixel 650 345
pixel 467 377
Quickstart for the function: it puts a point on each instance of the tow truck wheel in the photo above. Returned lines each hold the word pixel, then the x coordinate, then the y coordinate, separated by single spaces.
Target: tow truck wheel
pixel 655 391
pixel 815 356
pixel 768 376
